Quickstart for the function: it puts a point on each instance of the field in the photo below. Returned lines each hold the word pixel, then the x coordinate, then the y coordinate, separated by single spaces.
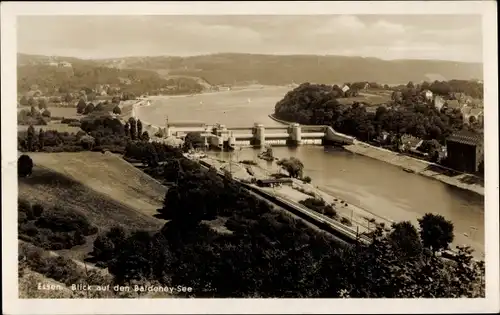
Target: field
pixel 105 188
pixel 57 126
pixel 66 112
pixel 372 98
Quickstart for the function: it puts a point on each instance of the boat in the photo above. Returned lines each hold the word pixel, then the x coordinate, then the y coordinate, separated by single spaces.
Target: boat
pixel 408 170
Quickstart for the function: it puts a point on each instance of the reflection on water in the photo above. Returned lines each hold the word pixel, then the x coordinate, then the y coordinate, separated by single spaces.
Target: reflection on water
pixel 379 187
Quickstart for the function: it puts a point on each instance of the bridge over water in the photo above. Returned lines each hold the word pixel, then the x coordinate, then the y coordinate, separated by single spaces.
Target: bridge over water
pixel 258 135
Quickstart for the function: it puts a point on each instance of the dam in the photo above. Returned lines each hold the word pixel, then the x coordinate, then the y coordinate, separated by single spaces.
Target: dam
pixel 219 136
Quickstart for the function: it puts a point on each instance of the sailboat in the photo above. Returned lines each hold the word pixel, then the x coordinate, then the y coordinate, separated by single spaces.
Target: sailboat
pixel 248 100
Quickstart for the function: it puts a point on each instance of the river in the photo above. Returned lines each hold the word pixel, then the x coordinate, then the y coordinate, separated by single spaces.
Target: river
pixel 376 186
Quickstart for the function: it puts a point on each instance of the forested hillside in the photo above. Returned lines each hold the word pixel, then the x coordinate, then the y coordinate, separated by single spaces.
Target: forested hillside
pixel 279 69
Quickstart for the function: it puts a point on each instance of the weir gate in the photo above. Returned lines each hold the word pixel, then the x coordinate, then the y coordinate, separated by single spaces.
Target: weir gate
pixel 221 137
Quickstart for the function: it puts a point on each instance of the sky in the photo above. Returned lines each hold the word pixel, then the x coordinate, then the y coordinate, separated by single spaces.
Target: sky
pixel 442 37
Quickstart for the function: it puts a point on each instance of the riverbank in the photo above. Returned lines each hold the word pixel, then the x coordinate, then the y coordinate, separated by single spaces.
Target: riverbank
pixel 359 218
pixel 418 166
pixel 421 167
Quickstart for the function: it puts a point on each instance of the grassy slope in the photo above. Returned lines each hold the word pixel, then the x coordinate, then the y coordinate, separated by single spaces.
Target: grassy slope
pixel 103 186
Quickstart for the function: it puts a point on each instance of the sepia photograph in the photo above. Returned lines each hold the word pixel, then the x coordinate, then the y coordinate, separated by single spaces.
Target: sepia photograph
pixel 193 151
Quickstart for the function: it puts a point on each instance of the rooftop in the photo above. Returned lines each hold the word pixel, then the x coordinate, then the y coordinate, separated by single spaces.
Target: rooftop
pixel 453 104
pixel 468 138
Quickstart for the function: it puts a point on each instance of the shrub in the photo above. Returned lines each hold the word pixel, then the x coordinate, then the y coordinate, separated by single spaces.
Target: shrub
pixel 37 210
pixel 53 229
pixel 346 221
pixel 24 166
pixel 69 120
pixel 249 162
pixel 307 179
pixel 75 124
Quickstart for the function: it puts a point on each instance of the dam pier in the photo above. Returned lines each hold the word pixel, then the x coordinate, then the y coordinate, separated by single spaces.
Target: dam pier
pixel 220 137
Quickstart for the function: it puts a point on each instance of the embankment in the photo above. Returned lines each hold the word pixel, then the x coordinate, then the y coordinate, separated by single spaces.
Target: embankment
pixel 421 167
pixel 431 170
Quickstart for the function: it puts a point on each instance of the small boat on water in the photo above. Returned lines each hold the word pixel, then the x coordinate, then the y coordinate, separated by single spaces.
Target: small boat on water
pixel 408 170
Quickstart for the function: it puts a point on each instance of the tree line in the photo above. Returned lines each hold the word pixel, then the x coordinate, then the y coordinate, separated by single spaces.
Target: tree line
pixel 98 133
pixel 408 113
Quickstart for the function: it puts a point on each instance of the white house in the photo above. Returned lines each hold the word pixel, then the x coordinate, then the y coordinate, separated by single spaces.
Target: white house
pixel 427 94
pixel 345 88
pixel 65 64
pixel 438 102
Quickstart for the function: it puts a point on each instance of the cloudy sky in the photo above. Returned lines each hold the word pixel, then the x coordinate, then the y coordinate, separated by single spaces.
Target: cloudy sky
pixel 445 37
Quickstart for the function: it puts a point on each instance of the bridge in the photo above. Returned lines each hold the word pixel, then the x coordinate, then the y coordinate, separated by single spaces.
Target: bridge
pixel 258 135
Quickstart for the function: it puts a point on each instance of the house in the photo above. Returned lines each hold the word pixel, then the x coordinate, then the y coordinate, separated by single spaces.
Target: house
pixel 65 64
pixel 409 142
pixel 345 88
pixel 469 112
pixel 453 104
pixel 465 151
pixel 438 102
pixel 274 182
pixel 384 138
pixel 427 94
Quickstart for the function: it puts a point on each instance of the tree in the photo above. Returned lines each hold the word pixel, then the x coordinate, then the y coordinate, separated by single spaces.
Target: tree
pixel 193 140
pixel 80 107
pixel 37 210
pixel 126 129
pixel 67 98
pixel 87 142
pixel 472 120
pixel 406 240
pixel 34 112
pixel 133 128
pixel 31 101
pixel 42 104
pixel 89 109
pixel 117 110
pixel 46 113
pixel 435 231
pixel 145 136
pixel 30 138
pixel 24 166
pixel 293 166
pixel 139 127
pixel 99 107
pixel 24 101
pixel 41 138
pixel 410 85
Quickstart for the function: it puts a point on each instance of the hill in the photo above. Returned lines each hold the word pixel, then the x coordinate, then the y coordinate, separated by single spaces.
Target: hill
pixel 283 69
pixel 106 189
pixel 229 68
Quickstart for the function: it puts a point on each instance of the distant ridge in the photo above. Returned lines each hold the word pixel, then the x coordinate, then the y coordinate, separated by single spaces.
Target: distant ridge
pixel 230 68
